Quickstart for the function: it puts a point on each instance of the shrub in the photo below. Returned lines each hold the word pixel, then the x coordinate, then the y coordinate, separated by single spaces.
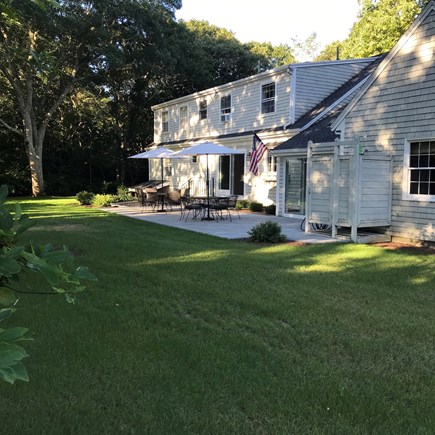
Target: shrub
pixel 103 200
pixel 256 206
pixel 270 209
pixel 267 232
pixel 85 198
pixel 242 204
pixel 123 194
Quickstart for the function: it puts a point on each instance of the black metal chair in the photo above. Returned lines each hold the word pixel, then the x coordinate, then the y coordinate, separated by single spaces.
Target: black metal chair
pixel 232 205
pixel 218 206
pixel 193 206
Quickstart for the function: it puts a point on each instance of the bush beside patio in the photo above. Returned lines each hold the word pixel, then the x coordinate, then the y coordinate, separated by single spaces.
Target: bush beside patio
pixel 195 334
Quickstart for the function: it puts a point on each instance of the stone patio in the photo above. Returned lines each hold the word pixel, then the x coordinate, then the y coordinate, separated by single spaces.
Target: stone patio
pixel 237 229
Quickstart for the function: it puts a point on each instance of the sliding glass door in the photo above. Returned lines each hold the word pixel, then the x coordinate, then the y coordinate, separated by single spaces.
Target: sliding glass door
pixel 295 184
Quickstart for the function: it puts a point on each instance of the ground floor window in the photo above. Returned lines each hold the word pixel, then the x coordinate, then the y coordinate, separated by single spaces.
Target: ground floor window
pixel 295 185
pixel 419 170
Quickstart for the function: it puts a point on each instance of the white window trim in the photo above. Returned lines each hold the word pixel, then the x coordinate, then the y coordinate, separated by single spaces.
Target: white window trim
pixel 261 99
pixel 163 122
pixel 406 196
pixel 199 110
pixel 186 118
pixel 228 115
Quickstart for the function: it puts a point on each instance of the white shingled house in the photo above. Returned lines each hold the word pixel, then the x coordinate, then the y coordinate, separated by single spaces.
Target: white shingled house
pixel 267 103
pixel 352 141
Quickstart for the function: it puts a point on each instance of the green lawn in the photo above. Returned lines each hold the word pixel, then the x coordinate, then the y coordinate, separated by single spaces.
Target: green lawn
pixel 186 333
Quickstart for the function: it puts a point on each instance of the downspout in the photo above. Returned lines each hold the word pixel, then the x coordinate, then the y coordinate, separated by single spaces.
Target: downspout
pixel 292 114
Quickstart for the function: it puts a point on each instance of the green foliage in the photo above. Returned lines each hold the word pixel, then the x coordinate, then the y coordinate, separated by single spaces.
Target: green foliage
pixel 17 264
pixel 380 25
pixel 270 209
pixel 267 232
pixel 242 204
pixel 85 198
pixel 274 56
pixel 103 200
pixel 123 195
pixel 256 206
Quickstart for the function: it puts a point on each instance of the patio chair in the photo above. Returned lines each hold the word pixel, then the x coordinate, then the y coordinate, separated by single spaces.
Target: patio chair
pixel 141 198
pixel 193 206
pixel 151 198
pixel 218 206
pixel 174 199
pixel 232 205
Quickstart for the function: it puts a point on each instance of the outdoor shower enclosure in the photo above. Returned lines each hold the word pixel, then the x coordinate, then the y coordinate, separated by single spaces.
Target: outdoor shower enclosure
pixel 348 187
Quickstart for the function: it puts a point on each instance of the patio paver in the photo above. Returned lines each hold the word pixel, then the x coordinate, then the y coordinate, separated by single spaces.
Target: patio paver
pixel 237 229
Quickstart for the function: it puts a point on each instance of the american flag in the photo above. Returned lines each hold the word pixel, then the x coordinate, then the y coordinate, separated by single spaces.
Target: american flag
pixel 257 153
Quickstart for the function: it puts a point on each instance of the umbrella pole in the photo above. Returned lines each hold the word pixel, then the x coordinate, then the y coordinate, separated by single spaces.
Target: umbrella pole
pixel 208 218
pixel 162 197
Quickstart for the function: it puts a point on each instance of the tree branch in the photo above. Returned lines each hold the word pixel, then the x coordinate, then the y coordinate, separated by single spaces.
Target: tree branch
pixel 9 127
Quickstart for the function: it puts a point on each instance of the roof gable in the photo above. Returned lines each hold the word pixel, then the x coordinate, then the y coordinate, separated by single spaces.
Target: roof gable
pixel 430 8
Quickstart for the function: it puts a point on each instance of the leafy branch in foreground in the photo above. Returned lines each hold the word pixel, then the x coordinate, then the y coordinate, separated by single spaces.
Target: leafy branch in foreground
pixel 17 264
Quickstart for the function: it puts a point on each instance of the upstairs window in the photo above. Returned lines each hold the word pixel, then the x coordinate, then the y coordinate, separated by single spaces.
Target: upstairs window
pixel 420 170
pixel 165 121
pixel 226 108
pixel 183 117
pixel 268 98
pixel 203 109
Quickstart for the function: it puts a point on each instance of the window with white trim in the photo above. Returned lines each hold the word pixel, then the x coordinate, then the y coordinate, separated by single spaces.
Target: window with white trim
pixel 268 98
pixel 183 117
pixel 203 109
pixel 419 170
pixel 165 121
pixel 226 108
pixel 271 162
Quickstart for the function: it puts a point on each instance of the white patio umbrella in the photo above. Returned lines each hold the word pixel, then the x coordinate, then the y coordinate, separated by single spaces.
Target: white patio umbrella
pixel 157 153
pixel 207 148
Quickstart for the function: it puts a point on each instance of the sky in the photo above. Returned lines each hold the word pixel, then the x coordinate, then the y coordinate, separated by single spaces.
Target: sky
pixel 276 21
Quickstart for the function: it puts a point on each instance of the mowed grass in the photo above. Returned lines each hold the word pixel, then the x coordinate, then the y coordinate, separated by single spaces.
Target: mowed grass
pixel 186 333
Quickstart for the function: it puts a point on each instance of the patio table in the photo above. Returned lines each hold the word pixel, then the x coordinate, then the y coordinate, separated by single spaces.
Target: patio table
pixel 206 202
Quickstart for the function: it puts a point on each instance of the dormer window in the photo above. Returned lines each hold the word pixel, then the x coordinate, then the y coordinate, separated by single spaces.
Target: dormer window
pixel 268 98
pixel 226 108
pixel 203 109
pixel 165 121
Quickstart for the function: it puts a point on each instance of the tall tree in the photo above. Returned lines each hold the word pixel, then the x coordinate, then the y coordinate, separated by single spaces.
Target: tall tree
pixel 275 56
pixel 380 25
pixel 45 53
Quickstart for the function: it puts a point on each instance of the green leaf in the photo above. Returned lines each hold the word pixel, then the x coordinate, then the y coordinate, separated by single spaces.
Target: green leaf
pixel 14 334
pixel 7 297
pixel 8 266
pixel 83 273
pixel 51 274
pixel 6 221
pixel 24 224
pixel 4 192
pixel 5 313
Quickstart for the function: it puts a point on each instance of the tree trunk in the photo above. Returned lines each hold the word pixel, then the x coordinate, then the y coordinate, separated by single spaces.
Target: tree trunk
pixel 36 174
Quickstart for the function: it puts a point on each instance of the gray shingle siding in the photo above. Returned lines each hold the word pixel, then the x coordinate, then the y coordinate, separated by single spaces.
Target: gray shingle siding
pixel 399 106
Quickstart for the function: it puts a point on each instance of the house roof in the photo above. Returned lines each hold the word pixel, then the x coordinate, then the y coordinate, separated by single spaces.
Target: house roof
pixel 222 136
pixel 430 7
pixel 315 124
